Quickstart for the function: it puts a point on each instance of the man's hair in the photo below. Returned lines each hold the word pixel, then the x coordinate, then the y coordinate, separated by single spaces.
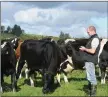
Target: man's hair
pixel 92 28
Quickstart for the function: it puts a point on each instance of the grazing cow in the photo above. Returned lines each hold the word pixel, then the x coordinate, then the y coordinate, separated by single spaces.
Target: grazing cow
pixel 8 63
pixel 40 54
pixel 69 64
pixel 103 59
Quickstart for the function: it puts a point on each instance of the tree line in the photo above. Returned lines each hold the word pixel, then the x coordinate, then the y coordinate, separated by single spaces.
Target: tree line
pixel 16 30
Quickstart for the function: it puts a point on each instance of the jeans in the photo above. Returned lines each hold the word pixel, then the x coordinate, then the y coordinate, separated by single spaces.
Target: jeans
pixel 90 71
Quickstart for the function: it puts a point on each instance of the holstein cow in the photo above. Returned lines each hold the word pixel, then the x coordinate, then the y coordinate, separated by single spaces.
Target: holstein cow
pixel 103 59
pixel 8 63
pixel 40 54
pixel 69 63
pixel 8 59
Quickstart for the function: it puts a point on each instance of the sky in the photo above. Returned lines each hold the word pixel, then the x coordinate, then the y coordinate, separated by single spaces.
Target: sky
pixel 50 18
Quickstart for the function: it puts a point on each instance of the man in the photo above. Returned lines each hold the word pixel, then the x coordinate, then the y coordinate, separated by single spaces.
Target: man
pixel 91 58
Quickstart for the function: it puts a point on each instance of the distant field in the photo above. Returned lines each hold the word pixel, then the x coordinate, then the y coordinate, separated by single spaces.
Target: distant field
pixel 73 88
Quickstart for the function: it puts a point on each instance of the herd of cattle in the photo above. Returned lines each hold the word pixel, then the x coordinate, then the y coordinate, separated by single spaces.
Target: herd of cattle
pixel 48 57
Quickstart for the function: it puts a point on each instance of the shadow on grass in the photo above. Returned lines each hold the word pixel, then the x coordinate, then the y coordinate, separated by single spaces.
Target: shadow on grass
pixel 76 79
pixel 36 83
pixel 8 87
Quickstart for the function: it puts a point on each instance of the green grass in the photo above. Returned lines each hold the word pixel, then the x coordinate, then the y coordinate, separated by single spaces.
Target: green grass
pixel 73 88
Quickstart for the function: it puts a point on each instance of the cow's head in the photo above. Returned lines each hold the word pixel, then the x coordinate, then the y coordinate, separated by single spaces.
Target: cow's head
pixel 5 47
pixel 14 42
pixel 66 66
pixel 68 47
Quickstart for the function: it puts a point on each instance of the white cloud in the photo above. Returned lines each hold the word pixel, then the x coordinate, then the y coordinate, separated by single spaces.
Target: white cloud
pixel 70 17
pixel 6 23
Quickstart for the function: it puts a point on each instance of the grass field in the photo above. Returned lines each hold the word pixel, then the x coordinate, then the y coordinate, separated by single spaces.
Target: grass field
pixel 73 88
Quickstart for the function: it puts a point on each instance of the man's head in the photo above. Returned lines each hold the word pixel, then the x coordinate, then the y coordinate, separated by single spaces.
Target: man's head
pixel 91 30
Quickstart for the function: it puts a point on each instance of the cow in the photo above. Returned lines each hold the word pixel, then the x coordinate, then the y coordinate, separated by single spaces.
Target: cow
pixel 103 59
pixel 69 63
pixel 13 41
pixel 8 63
pixel 40 54
pixel 17 53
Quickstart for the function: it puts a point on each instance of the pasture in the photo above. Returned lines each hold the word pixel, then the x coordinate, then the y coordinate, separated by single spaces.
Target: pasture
pixel 73 88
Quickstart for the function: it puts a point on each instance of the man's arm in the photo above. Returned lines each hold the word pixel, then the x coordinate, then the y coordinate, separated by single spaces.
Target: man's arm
pixel 92 51
pixel 94 45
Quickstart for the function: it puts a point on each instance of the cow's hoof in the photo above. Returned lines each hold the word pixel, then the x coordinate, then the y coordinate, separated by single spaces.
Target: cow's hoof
pixel 45 91
pixel 14 90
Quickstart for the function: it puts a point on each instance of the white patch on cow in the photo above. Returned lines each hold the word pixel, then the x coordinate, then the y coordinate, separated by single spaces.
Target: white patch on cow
pixel 1 89
pixel 103 42
pixel 99 72
pixel 67 40
pixel 65 78
pixel 7 52
pixel 15 39
pixel 26 72
pixel 58 78
pixel 17 65
pixel 68 69
pixel 12 41
pixel 20 75
pixel 2 46
pixel 103 81
pixel 84 67
pixel 69 59
pixel 52 40
pixel 31 82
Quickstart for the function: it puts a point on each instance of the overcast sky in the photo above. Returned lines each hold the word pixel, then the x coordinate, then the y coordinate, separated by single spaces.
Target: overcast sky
pixel 50 18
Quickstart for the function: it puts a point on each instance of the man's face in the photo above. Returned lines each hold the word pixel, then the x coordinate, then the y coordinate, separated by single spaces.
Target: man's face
pixel 89 32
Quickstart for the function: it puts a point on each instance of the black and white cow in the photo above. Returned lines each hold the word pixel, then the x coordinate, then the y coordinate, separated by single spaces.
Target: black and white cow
pixel 40 54
pixel 13 41
pixel 103 59
pixel 8 63
pixel 70 63
pixel 8 59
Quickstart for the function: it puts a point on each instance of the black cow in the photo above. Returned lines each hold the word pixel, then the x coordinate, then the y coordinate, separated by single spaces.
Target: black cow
pixel 41 54
pixel 8 63
pixel 103 60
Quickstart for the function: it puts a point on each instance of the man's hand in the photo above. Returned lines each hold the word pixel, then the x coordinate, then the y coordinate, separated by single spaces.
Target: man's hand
pixel 82 48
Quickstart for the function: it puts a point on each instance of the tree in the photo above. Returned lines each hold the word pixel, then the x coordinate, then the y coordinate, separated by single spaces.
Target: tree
pixel 61 36
pixel 9 30
pixel 64 35
pixel 2 29
pixel 16 30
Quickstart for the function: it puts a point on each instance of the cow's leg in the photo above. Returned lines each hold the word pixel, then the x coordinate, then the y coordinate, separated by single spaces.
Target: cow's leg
pixel 99 72
pixel 58 77
pixel 13 81
pixel 2 80
pixel 31 73
pixel 19 68
pixel 26 72
pixel 102 76
pixel 48 82
pixel 65 77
